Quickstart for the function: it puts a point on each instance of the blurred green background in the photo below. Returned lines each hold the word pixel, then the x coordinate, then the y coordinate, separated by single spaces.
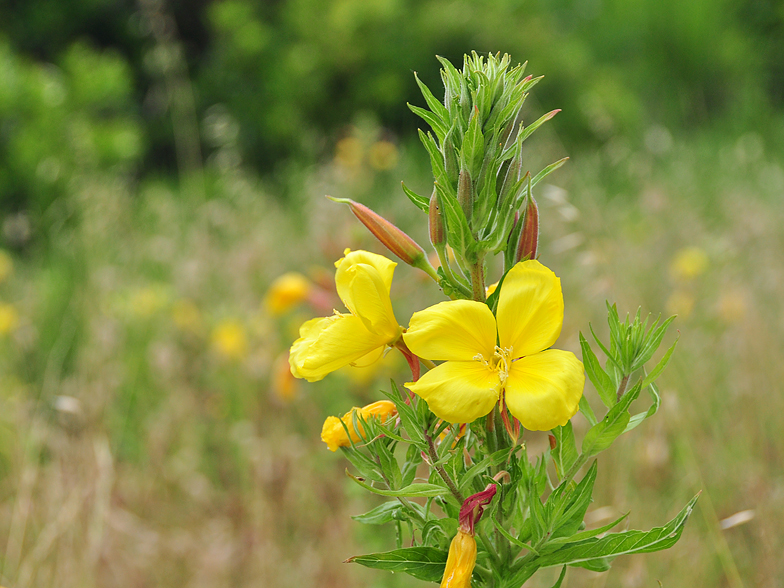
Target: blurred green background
pixel 162 163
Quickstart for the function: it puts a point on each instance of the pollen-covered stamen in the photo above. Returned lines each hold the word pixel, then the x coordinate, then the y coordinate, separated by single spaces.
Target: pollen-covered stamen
pixel 502 359
pixel 498 362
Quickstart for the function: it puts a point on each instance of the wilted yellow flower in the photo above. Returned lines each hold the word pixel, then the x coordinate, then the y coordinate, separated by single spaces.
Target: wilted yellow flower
pixel 9 318
pixel 230 340
pixel 382 155
pixel 542 386
pixel 286 292
pixel 6 265
pixel 186 315
pixel 460 562
pixel 333 433
pixel 689 263
pixel 363 282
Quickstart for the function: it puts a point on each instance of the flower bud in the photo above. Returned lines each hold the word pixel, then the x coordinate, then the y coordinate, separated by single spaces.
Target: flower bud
pixel 390 236
pixel 529 238
pixel 333 433
pixel 436 223
pixel 465 195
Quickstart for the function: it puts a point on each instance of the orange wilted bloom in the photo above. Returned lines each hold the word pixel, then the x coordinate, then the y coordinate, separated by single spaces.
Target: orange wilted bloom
pixel 333 433
pixel 460 562
pixel 462 551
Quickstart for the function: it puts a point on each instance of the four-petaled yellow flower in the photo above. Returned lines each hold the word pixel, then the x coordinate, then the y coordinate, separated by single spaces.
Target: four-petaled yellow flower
pixel 333 433
pixel 363 282
pixel 487 356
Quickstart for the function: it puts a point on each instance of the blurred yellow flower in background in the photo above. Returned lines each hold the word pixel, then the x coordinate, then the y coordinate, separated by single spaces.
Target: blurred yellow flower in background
pixel 349 152
pixel 230 340
pixel 147 301
pixel 6 265
pixel 688 263
pixel 186 315
pixel 333 433
pixel 680 303
pixel 286 292
pixel 383 155
pixel 9 318
pixel 282 382
pixel 363 282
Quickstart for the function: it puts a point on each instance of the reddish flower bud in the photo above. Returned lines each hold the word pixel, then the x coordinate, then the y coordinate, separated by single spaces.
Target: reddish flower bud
pixel 390 236
pixel 529 238
pixel 436 223
pixel 465 196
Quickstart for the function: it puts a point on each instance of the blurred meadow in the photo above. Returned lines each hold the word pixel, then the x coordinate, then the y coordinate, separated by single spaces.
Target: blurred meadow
pixel 163 167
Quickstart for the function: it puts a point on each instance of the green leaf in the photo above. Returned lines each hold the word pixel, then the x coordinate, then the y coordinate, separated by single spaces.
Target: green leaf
pixel 383 513
pixel 407 417
pixel 424 563
pixel 565 452
pixel 656 372
pixel 493 459
pixel 420 201
pixel 459 234
pixel 587 411
pixel 600 436
pixel 640 417
pixel 579 501
pixel 553 544
pixel 433 103
pixel 547 171
pixel 438 126
pixel 412 490
pixel 624 543
pixel 436 157
pixel 599 378
pixel 526 132
pixel 651 345
pixel 472 152
pixel 560 578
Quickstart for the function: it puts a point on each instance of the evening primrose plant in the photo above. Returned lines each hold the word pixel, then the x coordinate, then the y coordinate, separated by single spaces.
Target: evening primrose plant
pixel 470 505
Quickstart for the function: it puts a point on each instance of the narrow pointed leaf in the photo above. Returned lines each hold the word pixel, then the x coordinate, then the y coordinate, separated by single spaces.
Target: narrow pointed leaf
pixel 420 201
pixel 420 489
pixel 424 563
pixel 599 378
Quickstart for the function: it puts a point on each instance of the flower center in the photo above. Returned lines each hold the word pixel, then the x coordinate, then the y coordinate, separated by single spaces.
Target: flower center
pixel 498 362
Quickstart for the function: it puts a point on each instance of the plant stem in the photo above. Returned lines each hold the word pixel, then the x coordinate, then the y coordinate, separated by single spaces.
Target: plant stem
pixel 622 387
pixel 456 282
pixel 478 279
pixel 489 547
pixel 402 499
pixel 431 450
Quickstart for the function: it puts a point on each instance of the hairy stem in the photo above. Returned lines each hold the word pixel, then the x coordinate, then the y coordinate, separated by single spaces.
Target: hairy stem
pixel 431 450
pixel 478 279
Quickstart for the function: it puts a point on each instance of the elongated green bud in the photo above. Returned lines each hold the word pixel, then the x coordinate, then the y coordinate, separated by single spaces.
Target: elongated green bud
pixel 436 223
pixel 465 196
pixel 529 238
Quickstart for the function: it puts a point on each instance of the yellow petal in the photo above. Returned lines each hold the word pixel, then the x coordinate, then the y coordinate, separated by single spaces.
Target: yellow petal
pixel 333 434
pixel 367 297
pixel 327 344
pixel 455 330
pixel 459 391
pixel 369 359
pixel 543 390
pixel 385 267
pixel 530 309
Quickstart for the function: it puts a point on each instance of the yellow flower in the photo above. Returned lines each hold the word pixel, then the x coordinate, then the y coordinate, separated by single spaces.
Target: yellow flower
pixel 460 562
pixel 333 433
pixel 286 292
pixel 487 356
pixel 9 318
pixel 230 340
pixel 689 263
pixel 326 344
